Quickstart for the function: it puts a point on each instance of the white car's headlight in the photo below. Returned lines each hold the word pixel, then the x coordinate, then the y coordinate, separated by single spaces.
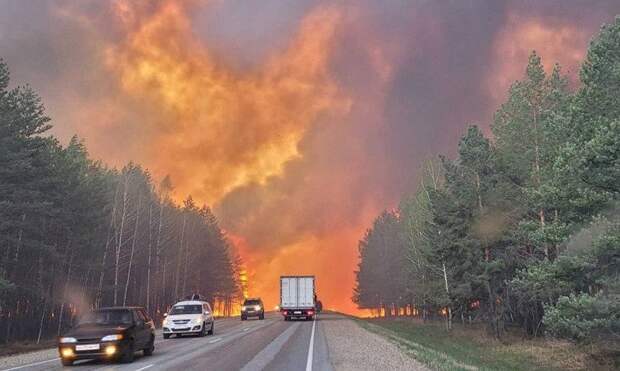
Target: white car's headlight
pixel 66 340
pixel 244 308
pixel 112 337
pixel 166 322
pixel 198 321
pixel 257 307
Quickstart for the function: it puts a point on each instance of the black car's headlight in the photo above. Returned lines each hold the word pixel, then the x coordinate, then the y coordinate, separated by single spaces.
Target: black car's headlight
pixel 115 337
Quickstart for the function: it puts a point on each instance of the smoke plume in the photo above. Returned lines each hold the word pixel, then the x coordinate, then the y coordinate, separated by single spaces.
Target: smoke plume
pixel 297 121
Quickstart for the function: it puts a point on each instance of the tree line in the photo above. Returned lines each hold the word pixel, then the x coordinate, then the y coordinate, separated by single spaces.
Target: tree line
pixel 76 234
pixel 522 228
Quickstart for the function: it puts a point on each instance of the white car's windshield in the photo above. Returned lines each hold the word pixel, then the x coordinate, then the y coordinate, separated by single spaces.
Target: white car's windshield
pixel 186 309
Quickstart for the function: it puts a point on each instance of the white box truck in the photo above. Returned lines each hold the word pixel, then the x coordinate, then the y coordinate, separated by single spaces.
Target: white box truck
pixel 297 297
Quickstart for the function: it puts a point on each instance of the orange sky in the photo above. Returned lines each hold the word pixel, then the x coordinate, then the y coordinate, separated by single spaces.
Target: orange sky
pixel 298 122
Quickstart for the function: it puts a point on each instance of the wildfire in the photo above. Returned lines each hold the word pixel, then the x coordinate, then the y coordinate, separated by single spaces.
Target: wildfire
pixel 251 142
pixel 220 128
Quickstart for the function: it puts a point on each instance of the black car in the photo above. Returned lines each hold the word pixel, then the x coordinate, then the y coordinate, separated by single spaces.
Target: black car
pixel 108 333
pixel 252 307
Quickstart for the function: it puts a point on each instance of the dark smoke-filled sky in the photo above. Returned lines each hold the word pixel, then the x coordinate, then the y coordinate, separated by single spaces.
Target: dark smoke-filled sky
pixel 298 121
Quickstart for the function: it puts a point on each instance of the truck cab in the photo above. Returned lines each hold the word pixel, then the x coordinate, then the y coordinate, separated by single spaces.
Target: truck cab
pixel 297 297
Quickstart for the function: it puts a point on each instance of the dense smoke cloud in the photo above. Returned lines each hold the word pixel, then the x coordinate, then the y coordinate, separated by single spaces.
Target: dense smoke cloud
pixel 298 121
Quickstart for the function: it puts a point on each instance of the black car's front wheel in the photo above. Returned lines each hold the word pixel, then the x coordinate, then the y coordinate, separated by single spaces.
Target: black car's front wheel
pixel 148 351
pixel 128 354
pixel 66 362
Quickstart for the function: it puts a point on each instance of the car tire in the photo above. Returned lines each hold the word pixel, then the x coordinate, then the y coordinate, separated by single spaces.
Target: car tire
pixel 262 316
pixel 166 336
pixel 212 329
pixel 148 351
pixel 203 331
pixel 243 318
pixel 66 362
pixel 127 356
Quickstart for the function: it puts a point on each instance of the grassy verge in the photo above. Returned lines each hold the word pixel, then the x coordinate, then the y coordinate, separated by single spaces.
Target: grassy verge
pixel 24 347
pixel 470 348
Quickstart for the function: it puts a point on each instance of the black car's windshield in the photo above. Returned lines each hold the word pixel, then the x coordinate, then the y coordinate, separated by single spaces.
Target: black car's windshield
pixel 106 317
pixel 252 302
pixel 186 309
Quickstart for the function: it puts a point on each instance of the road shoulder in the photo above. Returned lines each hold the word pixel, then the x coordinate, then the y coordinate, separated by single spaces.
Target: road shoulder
pixel 352 347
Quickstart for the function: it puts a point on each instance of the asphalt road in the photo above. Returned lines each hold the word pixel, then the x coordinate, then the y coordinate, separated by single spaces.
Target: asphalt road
pixel 270 344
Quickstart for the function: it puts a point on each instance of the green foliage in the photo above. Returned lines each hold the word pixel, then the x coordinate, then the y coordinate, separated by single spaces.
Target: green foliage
pixel 584 317
pixel 600 157
pixel 76 234
pixel 381 256
pixel 498 233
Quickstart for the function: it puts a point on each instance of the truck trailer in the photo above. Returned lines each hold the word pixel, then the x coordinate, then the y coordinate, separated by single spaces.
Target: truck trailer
pixel 297 297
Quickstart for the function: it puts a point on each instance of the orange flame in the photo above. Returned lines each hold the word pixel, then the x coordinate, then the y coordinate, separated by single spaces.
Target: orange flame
pixel 224 129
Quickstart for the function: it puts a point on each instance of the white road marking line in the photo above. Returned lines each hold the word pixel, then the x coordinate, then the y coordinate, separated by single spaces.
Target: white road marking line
pixel 246 329
pixel 262 359
pixel 144 368
pixel 31 364
pixel 311 348
pixel 215 340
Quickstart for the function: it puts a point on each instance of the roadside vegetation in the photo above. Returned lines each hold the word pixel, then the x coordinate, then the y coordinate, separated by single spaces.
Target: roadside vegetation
pixel 473 348
pixel 77 234
pixel 520 230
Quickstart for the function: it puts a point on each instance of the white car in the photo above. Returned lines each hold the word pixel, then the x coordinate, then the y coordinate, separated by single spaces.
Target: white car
pixel 193 317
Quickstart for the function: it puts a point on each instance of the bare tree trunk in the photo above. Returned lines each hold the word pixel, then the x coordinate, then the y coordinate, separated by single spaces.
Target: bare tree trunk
pixel 445 278
pixel 120 239
pixel 133 247
pixel 487 252
pixel 478 192
pixel 157 255
pixel 163 282
pixel 41 321
pixel 20 235
pixel 541 218
pixel 62 305
pixel 106 249
pixel 537 177
pixel 186 263
pixel 148 266
pixel 9 325
pixel 179 258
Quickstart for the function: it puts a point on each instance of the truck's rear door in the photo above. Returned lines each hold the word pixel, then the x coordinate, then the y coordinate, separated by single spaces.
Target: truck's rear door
pixel 288 292
pixel 306 292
